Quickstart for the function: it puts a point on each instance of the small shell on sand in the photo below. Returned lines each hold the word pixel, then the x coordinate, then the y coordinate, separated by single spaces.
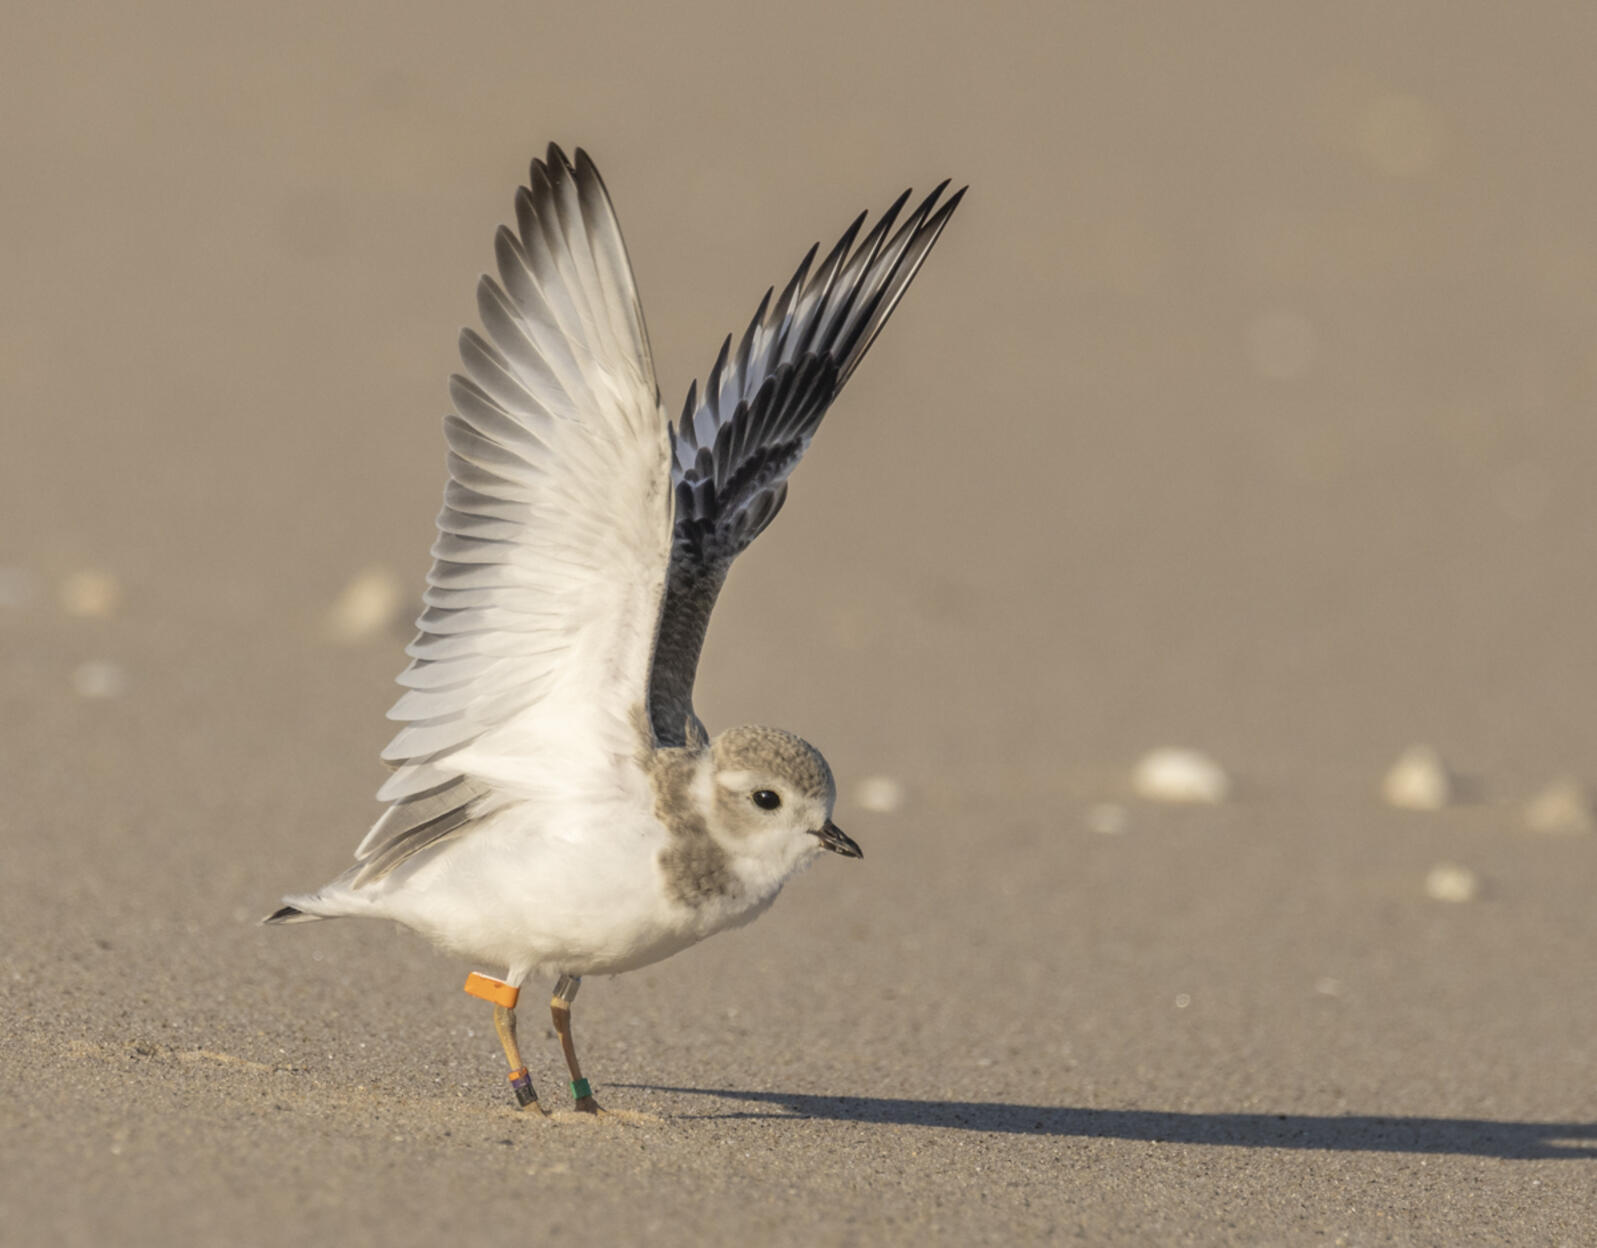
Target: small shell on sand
pixel 1563 808
pixel 880 794
pixel 1180 775
pixel 1107 818
pixel 98 678
pixel 90 594
pixel 365 607
pixel 1419 780
pixel 1448 881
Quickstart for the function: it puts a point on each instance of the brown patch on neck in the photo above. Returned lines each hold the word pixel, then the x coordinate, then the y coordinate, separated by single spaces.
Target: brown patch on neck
pixel 697 870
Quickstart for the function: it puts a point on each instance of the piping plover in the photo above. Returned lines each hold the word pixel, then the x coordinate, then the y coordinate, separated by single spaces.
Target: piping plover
pixel 555 805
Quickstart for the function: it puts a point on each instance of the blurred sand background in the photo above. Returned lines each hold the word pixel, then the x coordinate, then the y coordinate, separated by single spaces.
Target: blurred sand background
pixel 1245 405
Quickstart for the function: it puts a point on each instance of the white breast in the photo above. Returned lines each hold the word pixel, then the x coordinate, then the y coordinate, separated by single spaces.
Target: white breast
pixel 525 894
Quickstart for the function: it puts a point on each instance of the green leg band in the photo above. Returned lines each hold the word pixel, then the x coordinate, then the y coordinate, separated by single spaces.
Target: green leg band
pixel 580 1088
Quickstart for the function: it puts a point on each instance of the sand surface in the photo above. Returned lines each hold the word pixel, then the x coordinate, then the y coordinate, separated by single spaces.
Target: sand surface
pixel 1247 405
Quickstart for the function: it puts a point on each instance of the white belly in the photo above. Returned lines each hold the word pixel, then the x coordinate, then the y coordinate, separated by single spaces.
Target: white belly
pixel 592 901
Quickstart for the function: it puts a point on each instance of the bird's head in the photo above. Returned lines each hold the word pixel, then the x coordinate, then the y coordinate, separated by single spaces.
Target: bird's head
pixel 773 796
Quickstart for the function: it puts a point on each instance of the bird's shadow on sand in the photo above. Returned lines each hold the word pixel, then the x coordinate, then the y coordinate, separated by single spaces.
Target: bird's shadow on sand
pixel 1358 1133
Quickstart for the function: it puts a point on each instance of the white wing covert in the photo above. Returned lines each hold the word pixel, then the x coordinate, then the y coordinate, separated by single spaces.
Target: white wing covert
pixel 553 543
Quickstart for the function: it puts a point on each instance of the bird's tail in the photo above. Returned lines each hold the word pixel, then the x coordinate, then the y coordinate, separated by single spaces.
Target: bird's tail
pixel 291 914
pixel 333 901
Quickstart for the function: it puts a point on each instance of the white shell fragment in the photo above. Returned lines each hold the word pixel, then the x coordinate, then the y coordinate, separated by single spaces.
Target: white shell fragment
pixel 1448 881
pixel 98 678
pixel 1419 780
pixel 365 608
pixel 1179 775
pixel 90 594
pixel 1107 818
pixel 1563 808
pixel 880 794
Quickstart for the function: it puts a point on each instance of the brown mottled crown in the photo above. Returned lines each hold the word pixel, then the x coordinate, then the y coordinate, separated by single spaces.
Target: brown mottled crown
pixel 757 748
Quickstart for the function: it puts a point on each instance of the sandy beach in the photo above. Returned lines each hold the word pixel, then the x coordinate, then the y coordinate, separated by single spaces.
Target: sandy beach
pixel 1246 406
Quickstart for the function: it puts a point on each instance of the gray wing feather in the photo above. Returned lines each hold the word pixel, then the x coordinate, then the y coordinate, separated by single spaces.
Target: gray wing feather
pixel 556 410
pixel 420 822
pixel 735 448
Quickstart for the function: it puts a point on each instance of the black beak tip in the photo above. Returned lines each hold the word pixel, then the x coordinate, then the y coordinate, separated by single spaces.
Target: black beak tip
pixel 839 842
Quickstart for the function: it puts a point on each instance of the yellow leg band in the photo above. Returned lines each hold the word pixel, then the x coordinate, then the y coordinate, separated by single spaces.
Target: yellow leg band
pixel 490 989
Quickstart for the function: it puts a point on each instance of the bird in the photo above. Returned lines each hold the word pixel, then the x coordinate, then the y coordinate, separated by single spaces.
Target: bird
pixel 556 807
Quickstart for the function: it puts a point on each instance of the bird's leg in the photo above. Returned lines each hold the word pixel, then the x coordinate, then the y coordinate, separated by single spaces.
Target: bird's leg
pixel 504 998
pixel 520 1080
pixel 560 1008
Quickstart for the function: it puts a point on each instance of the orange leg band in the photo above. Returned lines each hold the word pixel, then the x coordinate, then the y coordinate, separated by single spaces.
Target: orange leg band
pixel 489 989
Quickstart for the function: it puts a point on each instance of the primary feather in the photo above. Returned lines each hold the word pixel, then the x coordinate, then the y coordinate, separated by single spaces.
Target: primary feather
pixel 736 447
pixel 553 542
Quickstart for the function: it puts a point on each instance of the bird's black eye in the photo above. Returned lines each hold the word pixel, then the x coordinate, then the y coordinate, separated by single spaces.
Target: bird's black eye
pixel 765 799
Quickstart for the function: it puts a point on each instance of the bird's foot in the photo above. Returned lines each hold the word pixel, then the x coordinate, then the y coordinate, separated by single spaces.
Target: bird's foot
pixel 585 1102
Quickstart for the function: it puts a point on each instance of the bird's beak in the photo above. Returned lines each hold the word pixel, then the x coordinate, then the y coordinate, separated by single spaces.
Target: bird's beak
pixel 839 841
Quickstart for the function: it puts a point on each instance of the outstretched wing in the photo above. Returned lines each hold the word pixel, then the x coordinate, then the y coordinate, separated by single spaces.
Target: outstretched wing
pixel 554 538
pixel 761 406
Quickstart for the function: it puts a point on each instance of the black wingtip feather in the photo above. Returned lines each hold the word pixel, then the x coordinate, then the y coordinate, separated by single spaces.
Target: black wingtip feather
pixel 919 235
pixel 799 274
pixel 781 314
pixel 759 419
pixel 896 207
pixel 741 364
pixel 712 384
pixel 834 258
pixel 761 408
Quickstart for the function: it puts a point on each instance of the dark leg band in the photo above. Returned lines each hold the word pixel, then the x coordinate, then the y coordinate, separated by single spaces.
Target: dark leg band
pixel 521 1082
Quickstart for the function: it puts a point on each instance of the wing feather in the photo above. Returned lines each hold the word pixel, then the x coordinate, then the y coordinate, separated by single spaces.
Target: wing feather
pixel 557 553
pixel 554 539
pixel 762 402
